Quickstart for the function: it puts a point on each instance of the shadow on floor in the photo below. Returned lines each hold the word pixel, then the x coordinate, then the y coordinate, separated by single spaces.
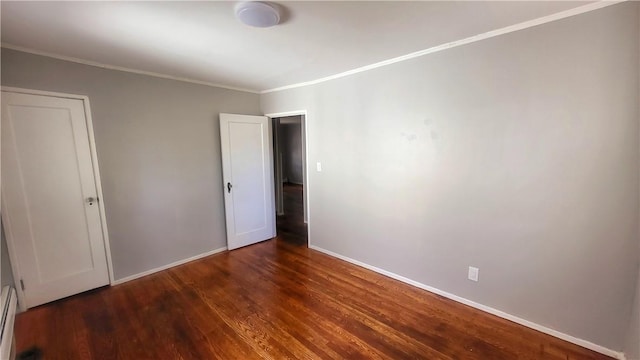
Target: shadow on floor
pixel 290 226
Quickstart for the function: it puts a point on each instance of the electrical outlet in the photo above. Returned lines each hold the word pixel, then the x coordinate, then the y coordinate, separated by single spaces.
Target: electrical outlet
pixel 319 166
pixel 474 272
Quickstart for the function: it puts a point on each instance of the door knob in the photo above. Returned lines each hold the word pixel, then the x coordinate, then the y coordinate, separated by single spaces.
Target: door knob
pixel 91 200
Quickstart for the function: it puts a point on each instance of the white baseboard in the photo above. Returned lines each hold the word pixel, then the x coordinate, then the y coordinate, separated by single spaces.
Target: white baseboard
pixel 165 267
pixel 584 343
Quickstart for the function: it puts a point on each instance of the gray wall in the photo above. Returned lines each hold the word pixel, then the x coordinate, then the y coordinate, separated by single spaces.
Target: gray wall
pixel 291 148
pixel 517 155
pixel 159 153
pixel 632 343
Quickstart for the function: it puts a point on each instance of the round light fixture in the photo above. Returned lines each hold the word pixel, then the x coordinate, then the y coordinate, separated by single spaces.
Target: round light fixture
pixel 257 14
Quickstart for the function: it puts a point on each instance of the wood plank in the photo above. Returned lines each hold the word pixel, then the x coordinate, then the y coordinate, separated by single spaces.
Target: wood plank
pixel 276 300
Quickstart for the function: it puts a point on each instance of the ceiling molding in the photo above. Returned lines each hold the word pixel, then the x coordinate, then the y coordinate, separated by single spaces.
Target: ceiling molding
pixel 125 69
pixel 475 38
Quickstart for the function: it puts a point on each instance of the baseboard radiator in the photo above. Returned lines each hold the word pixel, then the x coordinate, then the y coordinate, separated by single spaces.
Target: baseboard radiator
pixel 8 308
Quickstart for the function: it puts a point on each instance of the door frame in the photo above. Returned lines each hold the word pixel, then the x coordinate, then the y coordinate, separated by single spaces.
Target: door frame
pixel 96 173
pixel 305 172
pixel 277 164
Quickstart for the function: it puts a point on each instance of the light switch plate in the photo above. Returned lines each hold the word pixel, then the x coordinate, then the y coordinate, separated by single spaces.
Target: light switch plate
pixel 474 272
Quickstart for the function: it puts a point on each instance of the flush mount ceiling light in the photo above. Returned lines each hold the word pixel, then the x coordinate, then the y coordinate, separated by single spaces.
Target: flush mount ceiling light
pixel 257 14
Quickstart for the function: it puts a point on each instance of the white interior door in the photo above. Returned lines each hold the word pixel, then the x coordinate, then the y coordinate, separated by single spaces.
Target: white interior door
pixel 247 165
pixel 50 210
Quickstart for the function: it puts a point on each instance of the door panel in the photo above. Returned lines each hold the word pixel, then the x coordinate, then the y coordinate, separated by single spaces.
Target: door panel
pixel 47 176
pixel 247 169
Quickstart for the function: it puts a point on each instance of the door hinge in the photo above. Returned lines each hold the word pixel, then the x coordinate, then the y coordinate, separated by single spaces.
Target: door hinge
pixel 22 284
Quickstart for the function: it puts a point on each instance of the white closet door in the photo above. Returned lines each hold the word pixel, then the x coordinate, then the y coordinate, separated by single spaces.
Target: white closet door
pixel 50 205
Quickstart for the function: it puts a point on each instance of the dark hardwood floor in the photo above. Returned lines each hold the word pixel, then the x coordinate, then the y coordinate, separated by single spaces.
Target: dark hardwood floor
pixel 276 300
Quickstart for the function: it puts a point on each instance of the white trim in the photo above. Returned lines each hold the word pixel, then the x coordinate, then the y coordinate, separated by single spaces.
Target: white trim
pixel 122 68
pixel 98 183
pixel 307 186
pixel 15 268
pixel 493 33
pixel 287 113
pixel 43 93
pixel 471 39
pixel 305 173
pixel 7 342
pixel 584 343
pixel 165 267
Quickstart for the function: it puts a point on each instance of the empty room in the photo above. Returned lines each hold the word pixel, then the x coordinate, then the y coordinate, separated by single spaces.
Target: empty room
pixel 320 180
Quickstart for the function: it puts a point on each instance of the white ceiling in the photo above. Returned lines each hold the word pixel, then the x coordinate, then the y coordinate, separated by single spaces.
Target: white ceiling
pixel 203 41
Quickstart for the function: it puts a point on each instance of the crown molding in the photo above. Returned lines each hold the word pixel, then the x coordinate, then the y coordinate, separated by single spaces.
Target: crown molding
pixel 471 39
pixel 121 68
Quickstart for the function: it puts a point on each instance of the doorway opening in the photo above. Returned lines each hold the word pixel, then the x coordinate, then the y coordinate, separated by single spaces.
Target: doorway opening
pixel 289 140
